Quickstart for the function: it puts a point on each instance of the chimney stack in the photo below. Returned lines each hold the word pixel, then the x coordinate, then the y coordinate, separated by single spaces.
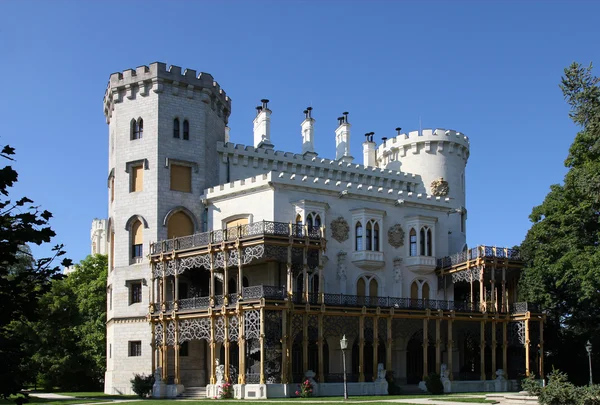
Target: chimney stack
pixel 262 126
pixel 342 139
pixel 369 151
pixel 308 133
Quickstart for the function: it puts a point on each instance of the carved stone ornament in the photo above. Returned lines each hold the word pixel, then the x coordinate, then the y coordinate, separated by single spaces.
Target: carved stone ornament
pixel 340 229
pixel 440 187
pixel 396 236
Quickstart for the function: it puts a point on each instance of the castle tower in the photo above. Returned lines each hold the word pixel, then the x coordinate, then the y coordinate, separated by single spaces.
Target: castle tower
pixel 163 126
pixel 440 157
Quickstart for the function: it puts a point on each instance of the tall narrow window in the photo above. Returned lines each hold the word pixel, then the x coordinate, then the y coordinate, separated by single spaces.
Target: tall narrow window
pixel 181 178
pixel 414 290
pixel 422 242
pixel 135 348
pixel 413 242
pixel 425 291
pixel 462 222
pixel 137 129
pixel 369 245
pixel 317 221
pixel 359 236
pixel 298 225
pixel 112 250
pixel 112 188
pixel 135 293
pixel 360 287
pixel 376 237
pixel 137 239
pixel 309 220
pixel 429 243
pixel 373 288
pixel 186 130
pixel 176 128
pixel 136 179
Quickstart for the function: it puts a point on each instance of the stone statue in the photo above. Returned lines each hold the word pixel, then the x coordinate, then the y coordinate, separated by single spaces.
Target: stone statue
pixel 380 372
pixel 444 373
pixel 500 374
pixel 158 374
pixel 220 371
pixel 444 377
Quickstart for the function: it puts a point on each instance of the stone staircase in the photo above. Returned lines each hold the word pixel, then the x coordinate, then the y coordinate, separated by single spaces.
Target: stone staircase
pixel 193 393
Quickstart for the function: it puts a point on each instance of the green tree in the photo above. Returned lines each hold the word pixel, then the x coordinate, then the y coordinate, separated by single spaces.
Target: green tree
pixel 22 279
pixel 71 332
pixel 562 247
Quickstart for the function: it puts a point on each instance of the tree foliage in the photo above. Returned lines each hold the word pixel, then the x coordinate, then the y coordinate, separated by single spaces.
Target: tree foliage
pixel 70 346
pixel 23 280
pixel 562 247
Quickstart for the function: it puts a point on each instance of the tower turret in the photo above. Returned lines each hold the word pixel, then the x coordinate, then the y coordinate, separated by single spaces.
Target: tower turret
pixel 342 139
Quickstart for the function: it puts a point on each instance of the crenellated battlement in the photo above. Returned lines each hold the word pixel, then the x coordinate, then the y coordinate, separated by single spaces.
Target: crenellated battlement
pixel 340 188
pixel 239 154
pixel 157 77
pixel 411 141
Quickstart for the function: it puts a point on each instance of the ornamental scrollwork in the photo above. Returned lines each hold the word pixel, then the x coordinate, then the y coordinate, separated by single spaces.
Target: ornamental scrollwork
pixel 396 236
pixel 171 334
pixel 252 324
pixel 440 187
pixel 194 329
pixel 340 230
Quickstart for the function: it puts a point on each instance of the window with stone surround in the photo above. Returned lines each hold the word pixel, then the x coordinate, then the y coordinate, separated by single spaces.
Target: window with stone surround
pixel 135 348
pixel 135 292
pixel 137 240
pixel 367 286
pixel 186 130
pixel 176 128
pixel 421 235
pixel 413 242
pixel 136 177
pixel 181 178
pixel 367 226
pixel 137 128
pixel 419 289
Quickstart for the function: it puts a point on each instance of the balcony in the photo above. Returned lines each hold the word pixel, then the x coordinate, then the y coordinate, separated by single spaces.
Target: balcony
pixel 248 231
pixel 421 264
pixel 480 252
pixel 368 259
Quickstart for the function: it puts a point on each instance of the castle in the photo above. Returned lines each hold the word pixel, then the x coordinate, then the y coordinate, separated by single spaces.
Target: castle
pixel 243 263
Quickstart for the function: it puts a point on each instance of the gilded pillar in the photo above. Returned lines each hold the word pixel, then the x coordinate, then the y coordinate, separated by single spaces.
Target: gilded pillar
pixel 176 289
pixel 262 345
pixel 213 351
pixel 361 348
pixel 164 287
pixel 449 348
pixel 212 279
pixel 240 288
pixel 226 344
pixel 388 346
pixel 285 353
pixel 438 344
pixel 176 347
pixel 482 349
pixel 527 341
pixel 165 354
pixel 153 345
pixel 305 274
pixel 290 273
pixel 242 347
pixel 425 345
pixel 504 346
pixel 494 345
pixel 225 276
pixel 321 369
pixel 375 345
pixel 151 298
pixel 481 290
pixel 304 342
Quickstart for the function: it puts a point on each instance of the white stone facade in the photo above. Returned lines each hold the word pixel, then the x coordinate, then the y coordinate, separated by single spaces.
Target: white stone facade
pixel 415 181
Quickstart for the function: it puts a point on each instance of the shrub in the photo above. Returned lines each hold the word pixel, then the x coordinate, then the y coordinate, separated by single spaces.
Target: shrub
pixel 142 384
pixel 393 388
pixel 434 385
pixel 559 391
pixel 589 395
pixel 305 389
pixel 226 390
pixel 531 385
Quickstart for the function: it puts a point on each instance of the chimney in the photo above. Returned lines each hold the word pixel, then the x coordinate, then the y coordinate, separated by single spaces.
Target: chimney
pixel 369 156
pixel 262 126
pixel 308 133
pixel 342 139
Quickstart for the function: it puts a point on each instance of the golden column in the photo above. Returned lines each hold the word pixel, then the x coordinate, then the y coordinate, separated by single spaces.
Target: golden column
pixel 438 342
pixel 225 275
pixel 285 352
pixel 304 342
pixel 212 277
pixel 425 343
pixel 481 289
pixel 226 342
pixel 153 345
pixel 176 282
pixel 262 345
pixel 165 353
pixel 361 348
pixel 240 288
pixel 527 341
pixel 213 345
pixel 388 346
pixel 321 369
pixel 375 345
pixel 241 345
pixel 482 349
pixel 505 345
pixel 176 347
pixel 494 345
pixel 450 345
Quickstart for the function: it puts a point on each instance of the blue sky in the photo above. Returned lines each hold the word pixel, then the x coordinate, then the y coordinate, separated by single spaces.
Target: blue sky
pixel 488 69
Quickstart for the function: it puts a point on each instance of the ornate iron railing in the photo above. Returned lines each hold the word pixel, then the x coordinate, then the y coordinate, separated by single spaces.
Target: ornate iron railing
pixel 252 378
pixel 261 228
pixel 279 293
pixel 479 251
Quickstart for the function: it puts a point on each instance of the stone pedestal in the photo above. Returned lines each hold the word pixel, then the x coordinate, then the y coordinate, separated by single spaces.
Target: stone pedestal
pixel 159 389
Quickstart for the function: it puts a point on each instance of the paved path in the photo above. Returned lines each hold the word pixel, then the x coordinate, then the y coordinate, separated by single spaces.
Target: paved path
pixel 49 395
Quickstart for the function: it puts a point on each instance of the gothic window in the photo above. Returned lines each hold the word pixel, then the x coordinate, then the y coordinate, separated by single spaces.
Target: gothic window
pixel 135 293
pixel 422 242
pixel 137 128
pixel 426 242
pixel 359 236
pixel 317 221
pixel 299 225
pixel 186 130
pixel 179 225
pixel 137 240
pixel 309 220
pixel 429 243
pixel 176 128
pixel 419 289
pixel 372 237
pixel 368 287
pixel 369 237
pixel 413 242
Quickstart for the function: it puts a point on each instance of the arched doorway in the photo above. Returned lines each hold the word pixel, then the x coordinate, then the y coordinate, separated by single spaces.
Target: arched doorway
pixel 414 358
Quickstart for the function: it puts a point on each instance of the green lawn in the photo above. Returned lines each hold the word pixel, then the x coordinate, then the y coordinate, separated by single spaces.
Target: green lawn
pixel 467 399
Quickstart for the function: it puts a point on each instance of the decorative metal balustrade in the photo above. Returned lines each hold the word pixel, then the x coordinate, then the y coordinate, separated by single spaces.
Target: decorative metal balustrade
pixel 479 252
pixel 261 228
pixel 277 293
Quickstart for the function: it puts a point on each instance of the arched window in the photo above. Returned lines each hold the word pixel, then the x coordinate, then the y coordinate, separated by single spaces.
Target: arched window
pixel 186 130
pixel 176 128
pixel 367 287
pixel 376 237
pixel 317 221
pixel 299 225
pixel 414 291
pixel 359 236
pixel 179 225
pixel 309 220
pixel 369 245
pixel 373 288
pixel 422 242
pixel 429 243
pixel 360 287
pixel 425 291
pixel 137 240
pixel 137 129
pixel 413 242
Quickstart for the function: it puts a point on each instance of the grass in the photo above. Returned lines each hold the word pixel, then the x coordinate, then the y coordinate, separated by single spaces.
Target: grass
pixel 467 399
